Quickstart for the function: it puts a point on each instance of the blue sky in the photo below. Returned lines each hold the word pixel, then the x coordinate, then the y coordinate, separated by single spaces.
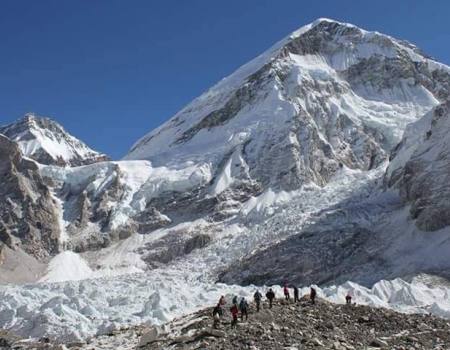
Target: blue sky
pixel 111 70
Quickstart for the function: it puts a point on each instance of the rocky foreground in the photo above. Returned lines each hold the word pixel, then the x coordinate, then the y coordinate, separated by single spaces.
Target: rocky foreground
pixel 286 326
pixel 305 326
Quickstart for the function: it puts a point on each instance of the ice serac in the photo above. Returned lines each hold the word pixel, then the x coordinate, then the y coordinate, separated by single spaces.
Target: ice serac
pixel 420 169
pixel 45 141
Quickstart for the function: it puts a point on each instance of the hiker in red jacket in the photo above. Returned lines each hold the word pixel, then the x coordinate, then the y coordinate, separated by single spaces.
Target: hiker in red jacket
pixel 234 313
pixel 286 292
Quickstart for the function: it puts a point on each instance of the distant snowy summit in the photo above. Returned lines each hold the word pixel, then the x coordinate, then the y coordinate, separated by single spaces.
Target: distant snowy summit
pixel 46 141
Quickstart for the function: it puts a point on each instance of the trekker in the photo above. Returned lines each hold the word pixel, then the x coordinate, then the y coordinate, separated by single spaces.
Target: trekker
pixel 234 313
pixel 348 299
pixel 286 292
pixel 221 303
pixel 243 306
pixel 257 297
pixel 270 295
pixel 217 313
pixel 312 295
pixel 296 294
pixel 235 300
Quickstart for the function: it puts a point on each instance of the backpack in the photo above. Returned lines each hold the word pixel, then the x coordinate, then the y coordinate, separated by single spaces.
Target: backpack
pixel 217 311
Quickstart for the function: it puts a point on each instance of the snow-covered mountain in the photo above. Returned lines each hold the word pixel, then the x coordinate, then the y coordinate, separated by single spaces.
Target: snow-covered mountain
pixel 329 94
pixel 296 167
pixel 45 141
pixel 30 217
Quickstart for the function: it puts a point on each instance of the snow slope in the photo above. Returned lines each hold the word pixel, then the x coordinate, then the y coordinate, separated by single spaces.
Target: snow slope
pixel 67 266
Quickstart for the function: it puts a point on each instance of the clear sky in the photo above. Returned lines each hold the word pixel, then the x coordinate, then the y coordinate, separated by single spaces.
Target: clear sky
pixel 111 70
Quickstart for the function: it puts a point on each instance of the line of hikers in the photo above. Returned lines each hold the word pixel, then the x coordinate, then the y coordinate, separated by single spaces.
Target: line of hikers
pixel 243 306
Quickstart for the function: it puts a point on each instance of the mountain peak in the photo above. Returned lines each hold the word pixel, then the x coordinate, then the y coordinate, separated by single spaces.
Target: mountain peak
pixel 318 21
pixel 46 141
pixel 336 63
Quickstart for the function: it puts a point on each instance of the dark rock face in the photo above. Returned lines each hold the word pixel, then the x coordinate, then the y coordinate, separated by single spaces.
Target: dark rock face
pixel 312 257
pixel 174 245
pixel 423 179
pixel 242 97
pixel 28 215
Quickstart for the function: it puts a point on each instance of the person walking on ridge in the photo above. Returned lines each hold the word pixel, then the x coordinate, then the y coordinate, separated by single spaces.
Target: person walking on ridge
pixel 257 297
pixel 312 295
pixel 234 313
pixel 286 292
pixel 296 299
pixel 348 299
pixel 217 313
pixel 243 306
pixel 270 295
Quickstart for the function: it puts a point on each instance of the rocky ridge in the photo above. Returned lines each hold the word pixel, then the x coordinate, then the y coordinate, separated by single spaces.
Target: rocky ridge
pixel 305 326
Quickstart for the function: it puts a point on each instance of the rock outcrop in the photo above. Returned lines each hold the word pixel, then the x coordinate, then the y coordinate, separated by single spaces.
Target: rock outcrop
pixel 28 213
pixel 420 169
